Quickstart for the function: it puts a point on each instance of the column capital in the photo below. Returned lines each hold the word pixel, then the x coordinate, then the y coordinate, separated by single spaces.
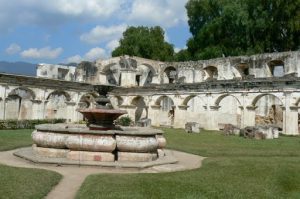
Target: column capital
pixel 251 108
pixel 156 107
pixel 129 106
pixel 36 101
pixel 214 108
pixel 294 108
pixel 183 107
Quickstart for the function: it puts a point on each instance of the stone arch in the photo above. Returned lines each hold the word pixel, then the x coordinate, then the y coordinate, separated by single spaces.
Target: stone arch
pixel 112 73
pixel 258 97
pixel 243 69
pixel 22 92
pixel 221 97
pixel 169 75
pixel 268 109
pixel 116 100
pixel 189 98
pixel 19 104
pixel 141 110
pixel 167 110
pixel 229 110
pixel 276 68
pixel 87 100
pixel 211 72
pixel 59 93
pixel 56 106
pixel 144 75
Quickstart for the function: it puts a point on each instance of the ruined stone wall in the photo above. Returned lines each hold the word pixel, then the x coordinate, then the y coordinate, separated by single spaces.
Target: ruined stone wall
pixel 144 72
pixel 24 97
pixel 213 103
pixel 54 71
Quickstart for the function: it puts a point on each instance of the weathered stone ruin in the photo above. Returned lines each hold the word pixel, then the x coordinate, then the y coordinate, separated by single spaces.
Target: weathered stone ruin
pixel 242 91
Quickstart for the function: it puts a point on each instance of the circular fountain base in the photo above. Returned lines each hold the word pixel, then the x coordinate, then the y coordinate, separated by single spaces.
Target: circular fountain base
pixel 31 155
pixel 77 144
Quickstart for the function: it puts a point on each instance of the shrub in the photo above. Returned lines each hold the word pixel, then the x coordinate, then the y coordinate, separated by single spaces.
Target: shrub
pixel 26 124
pixel 124 121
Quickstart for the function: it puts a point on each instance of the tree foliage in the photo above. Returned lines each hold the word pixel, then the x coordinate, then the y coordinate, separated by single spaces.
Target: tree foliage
pixel 145 42
pixel 236 27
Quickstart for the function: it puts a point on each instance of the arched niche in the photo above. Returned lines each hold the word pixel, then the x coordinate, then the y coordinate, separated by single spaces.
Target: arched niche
pixel 268 110
pixel 229 110
pixel 169 75
pixel 88 100
pixel 113 74
pixel 167 110
pixel 243 69
pixel 141 111
pixel 56 106
pixel 116 101
pixel 276 68
pixel 19 104
pixel 144 74
pixel 211 73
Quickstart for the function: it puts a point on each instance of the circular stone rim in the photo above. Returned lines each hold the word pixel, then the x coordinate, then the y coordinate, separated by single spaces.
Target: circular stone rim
pixel 82 129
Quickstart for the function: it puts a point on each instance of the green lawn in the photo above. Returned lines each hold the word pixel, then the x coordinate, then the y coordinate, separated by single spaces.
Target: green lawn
pixel 236 168
pixel 12 139
pixel 21 182
pixel 26 183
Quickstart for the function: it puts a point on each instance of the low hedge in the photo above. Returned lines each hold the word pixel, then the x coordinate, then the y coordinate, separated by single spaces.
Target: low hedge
pixel 26 124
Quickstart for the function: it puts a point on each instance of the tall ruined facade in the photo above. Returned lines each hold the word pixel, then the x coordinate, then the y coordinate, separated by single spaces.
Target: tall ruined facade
pixel 243 91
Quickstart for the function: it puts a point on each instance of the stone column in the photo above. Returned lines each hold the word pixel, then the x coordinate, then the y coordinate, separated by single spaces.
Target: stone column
pixel 290 121
pixel 37 109
pixel 180 116
pixel 128 78
pixel 44 104
pixel 70 115
pixel 249 116
pixel 213 118
pixel 102 78
pixel 1 108
pixel 290 115
pixel 153 114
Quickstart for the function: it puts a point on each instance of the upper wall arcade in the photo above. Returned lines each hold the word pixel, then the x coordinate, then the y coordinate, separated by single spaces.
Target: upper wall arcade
pixel 128 71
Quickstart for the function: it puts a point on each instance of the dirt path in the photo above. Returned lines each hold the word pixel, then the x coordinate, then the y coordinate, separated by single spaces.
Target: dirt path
pixel 74 176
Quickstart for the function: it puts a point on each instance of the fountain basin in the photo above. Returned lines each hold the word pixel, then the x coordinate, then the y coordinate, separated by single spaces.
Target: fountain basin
pixel 101 119
pixel 78 142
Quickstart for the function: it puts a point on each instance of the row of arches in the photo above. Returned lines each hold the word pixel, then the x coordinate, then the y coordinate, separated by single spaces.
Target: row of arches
pixel 169 74
pixel 22 103
pixel 268 108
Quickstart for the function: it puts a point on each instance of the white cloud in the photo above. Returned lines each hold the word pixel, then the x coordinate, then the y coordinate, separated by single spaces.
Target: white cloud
pixel 101 34
pixel 42 53
pixel 74 59
pixel 92 55
pixel 112 45
pixel 95 53
pixel 166 13
pixel 13 49
pixel 53 13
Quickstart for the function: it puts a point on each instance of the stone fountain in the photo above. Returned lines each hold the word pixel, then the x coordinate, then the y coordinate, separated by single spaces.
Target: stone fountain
pixel 100 141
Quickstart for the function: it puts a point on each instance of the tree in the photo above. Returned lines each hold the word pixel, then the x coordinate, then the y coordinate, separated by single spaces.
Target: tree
pixel 145 42
pixel 236 27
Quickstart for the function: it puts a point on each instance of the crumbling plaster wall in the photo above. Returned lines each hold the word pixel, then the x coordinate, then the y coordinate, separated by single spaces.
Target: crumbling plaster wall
pixel 196 71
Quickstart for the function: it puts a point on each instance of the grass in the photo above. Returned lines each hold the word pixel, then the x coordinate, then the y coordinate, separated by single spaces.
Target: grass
pixel 12 139
pixel 21 182
pixel 236 168
pixel 26 183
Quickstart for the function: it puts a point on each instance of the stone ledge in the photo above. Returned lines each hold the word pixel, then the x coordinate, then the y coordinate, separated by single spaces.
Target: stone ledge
pixel 28 154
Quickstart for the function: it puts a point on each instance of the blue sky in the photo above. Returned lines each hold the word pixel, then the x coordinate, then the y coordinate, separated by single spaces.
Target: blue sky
pixel 62 31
